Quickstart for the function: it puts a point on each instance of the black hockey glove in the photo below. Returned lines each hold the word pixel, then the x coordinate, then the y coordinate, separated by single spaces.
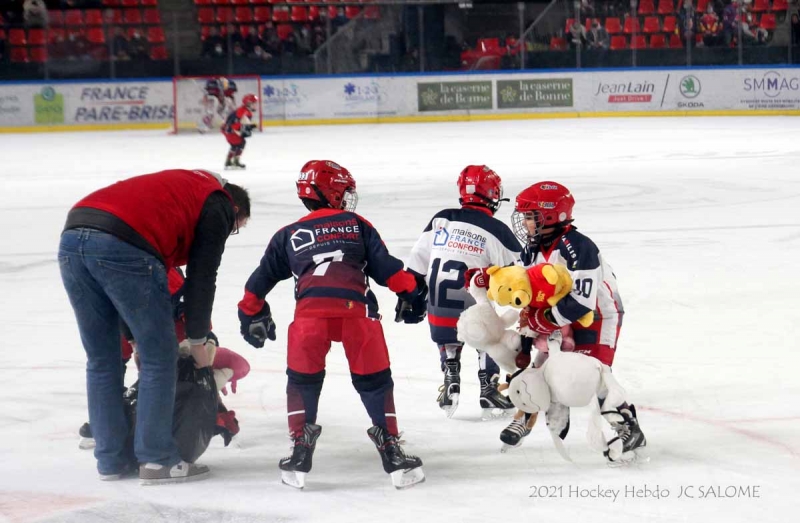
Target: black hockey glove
pixel 247 131
pixel 412 306
pixel 257 328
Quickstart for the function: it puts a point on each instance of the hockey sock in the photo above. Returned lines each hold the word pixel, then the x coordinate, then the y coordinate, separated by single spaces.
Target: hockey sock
pixel 377 395
pixel 485 362
pixel 450 351
pixel 302 398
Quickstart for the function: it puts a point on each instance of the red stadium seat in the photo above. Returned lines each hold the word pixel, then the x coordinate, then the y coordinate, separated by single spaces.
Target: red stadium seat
pixel 768 21
pixel 352 11
pixel 19 55
pixel 17 37
pixel 111 3
pixel 651 25
pixel 632 26
pixel 205 15
pixel 202 2
pixel 152 17
pixel 130 3
pixel 55 34
pixel 224 15
pixel 670 23
pixel 638 42
pixel 36 37
pixel 759 6
pixel 333 11
pixel 780 5
pixel 489 45
pixel 239 2
pixel 221 3
pixel 149 3
pixel 155 35
pixel 73 17
pixel 618 42
pixel 132 17
pixel 647 7
pixel 372 12
pixel 568 25
pixel 262 14
pixel 284 30
pixel 313 13
pixel 38 54
pixel 158 52
pixel 96 35
pixel 55 18
pixel 558 44
pixel 675 41
pixel 658 41
pixel 259 2
pixel 280 14
pixel 243 15
pixel 2 34
pixel 666 7
pixel 299 14
pixel 613 25
pixel 701 6
pixel 94 17
pixel 113 16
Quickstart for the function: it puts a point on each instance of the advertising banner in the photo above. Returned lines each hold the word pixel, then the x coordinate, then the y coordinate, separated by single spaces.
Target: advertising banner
pixel 451 96
pixel 518 94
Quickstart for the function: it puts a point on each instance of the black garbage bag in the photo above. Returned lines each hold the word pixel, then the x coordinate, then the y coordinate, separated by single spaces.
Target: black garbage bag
pixel 194 420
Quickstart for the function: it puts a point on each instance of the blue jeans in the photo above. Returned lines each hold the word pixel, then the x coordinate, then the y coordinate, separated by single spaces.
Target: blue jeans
pixel 107 279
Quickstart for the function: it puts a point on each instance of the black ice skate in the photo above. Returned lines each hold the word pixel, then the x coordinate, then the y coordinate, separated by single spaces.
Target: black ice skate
pixel 623 420
pixel 87 440
pixel 451 390
pixel 295 467
pixel 494 403
pixel 404 469
pixel 238 164
pixel 515 432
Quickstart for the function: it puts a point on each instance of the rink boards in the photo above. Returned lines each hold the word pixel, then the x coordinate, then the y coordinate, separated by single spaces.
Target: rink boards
pixel 148 103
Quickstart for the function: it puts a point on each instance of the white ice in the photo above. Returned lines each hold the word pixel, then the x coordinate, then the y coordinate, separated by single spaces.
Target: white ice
pixel 700 218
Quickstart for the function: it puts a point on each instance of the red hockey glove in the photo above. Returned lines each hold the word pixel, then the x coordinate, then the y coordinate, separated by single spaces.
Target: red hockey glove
pixel 523 360
pixel 542 321
pixel 480 277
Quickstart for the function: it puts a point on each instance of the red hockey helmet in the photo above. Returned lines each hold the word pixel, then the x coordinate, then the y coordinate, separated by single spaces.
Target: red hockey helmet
pixel 548 204
pixel 479 185
pixel 250 101
pixel 328 183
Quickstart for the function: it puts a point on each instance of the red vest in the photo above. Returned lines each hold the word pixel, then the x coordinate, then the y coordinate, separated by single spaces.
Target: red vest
pixel 162 207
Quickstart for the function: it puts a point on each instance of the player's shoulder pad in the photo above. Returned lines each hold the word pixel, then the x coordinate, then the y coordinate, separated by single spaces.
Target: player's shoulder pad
pixel 492 225
pixel 446 214
pixel 579 251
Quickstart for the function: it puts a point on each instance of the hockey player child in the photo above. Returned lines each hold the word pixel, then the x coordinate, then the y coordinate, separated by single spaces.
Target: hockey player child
pixel 218 102
pixel 238 127
pixel 542 221
pixel 331 253
pixel 455 242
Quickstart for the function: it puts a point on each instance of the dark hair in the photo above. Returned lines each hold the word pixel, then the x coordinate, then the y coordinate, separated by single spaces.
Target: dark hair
pixel 313 205
pixel 241 199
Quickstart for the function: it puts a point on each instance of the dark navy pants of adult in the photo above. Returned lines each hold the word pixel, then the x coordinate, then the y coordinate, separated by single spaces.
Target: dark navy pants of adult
pixel 107 278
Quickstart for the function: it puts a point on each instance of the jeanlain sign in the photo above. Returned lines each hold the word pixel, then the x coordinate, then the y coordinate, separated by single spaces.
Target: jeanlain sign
pixel 453 96
pixel 551 92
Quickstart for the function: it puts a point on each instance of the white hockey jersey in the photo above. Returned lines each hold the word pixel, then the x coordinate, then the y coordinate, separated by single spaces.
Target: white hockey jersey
pixel 456 240
pixel 594 286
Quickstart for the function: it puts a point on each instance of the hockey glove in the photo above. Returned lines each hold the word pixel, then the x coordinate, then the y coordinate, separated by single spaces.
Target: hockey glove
pixel 257 328
pixel 541 321
pixel 247 131
pixel 523 359
pixel 413 305
pixel 227 426
pixel 477 277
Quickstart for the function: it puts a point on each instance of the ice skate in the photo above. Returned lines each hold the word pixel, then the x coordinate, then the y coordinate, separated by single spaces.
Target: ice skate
pixel 238 164
pixel 450 391
pixel 295 467
pixel 87 440
pixel 404 469
pixel 516 431
pixel 494 404
pixel 623 420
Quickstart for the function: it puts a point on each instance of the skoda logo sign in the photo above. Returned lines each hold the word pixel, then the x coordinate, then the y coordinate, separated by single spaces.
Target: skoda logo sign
pixel 689 86
pixel 48 94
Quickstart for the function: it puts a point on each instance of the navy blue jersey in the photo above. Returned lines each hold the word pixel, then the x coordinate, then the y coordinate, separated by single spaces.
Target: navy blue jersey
pixel 331 254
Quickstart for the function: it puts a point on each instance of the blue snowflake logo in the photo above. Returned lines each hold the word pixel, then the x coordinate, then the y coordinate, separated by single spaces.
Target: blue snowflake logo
pixel 349 88
pixel 269 91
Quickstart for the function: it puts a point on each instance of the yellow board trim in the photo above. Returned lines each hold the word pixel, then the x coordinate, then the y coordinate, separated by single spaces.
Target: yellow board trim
pixel 414 119
pixel 87 127
pixel 528 116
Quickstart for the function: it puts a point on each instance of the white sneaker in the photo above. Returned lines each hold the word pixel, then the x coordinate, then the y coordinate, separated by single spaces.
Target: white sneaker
pixel 155 474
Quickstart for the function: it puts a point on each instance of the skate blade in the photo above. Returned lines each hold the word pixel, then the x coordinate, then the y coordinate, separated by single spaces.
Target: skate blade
pixel 293 479
pixel 449 410
pixel 489 414
pixel 86 443
pixel 403 479
pixel 632 457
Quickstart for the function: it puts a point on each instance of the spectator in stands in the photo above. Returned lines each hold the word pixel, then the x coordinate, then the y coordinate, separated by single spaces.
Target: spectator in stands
pixel 687 23
pixel 340 20
pixel 272 44
pixel 587 9
pixel 214 44
pixel 598 38
pixel 233 37
pixel 795 29
pixel 751 33
pixel 76 47
pixel 289 46
pixel 730 19
pixel 710 27
pixel 318 39
pixel 252 40
pixel 238 50
pixel 120 45
pixel 139 48
pixel 576 37
pixel 260 54
pixel 303 37
pixel 35 13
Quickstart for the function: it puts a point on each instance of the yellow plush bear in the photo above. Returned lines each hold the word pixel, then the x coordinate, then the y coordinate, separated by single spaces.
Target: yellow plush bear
pixel 540 286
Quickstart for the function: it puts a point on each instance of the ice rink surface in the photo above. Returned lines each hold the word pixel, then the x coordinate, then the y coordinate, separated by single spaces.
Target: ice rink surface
pixel 699 217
